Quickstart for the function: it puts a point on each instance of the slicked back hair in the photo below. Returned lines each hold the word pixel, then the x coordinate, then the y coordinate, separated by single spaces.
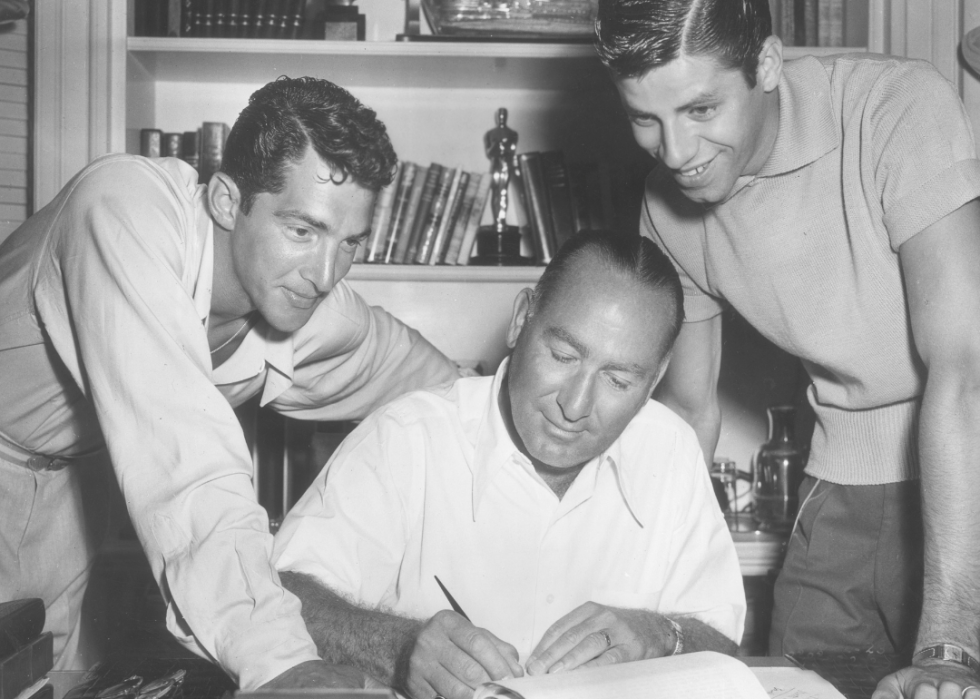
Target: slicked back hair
pixel 635 256
pixel 636 36
pixel 289 115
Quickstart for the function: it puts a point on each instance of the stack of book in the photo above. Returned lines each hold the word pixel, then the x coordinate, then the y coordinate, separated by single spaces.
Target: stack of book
pixel 25 652
pixel 248 19
pixel 427 216
pixel 560 199
pixel 202 148
pixel 832 23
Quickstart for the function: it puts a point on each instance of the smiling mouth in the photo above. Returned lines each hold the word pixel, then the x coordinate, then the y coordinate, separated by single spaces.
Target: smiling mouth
pixel 299 300
pixel 562 432
pixel 694 173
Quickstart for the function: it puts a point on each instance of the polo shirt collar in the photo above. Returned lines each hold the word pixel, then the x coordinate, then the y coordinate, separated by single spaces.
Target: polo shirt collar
pixel 807 128
pixel 493 448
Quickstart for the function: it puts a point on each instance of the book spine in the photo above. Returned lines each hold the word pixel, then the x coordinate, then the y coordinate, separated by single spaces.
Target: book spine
pixel 396 229
pixel 257 13
pixel 206 21
pixel 26 666
pixel 788 14
pixel 776 15
pixel 855 23
pixel 559 197
pixel 174 19
pixel 382 218
pixel 21 621
pixel 836 22
pixel 429 190
pixel 213 135
pixel 411 213
pixel 461 219
pixel 172 145
pixel 190 148
pixel 539 209
pixel 188 17
pixel 445 221
pixel 473 221
pixel 270 27
pixel 810 22
pixel 296 11
pixel 151 142
pixel 448 223
pixel 434 217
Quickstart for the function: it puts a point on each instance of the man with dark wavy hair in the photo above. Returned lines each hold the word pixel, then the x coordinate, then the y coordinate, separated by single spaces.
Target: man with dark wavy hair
pixel 136 310
pixel 831 201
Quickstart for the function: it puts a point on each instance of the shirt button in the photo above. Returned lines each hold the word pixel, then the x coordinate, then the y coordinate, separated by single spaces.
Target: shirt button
pixel 549 599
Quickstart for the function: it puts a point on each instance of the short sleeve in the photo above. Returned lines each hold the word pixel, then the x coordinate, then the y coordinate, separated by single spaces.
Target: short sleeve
pixel 923 149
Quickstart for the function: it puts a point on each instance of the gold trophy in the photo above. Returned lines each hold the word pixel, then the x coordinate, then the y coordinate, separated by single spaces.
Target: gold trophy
pixel 499 243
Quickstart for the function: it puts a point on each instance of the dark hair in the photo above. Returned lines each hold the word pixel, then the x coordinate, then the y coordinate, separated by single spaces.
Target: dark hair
pixel 635 36
pixel 633 255
pixel 287 116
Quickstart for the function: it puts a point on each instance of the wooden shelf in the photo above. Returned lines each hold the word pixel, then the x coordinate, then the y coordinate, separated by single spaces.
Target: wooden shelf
pixel 452 273
pixel 395 64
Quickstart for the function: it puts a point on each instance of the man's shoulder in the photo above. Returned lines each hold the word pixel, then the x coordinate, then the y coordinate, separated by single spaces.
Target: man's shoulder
pixel 132 170
pixel 456 400
pixel 864 79
pixel 657 424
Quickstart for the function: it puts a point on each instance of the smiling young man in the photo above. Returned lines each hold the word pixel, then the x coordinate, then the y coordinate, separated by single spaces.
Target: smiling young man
pixel 571 517
pixel 832 202
pixel 136 310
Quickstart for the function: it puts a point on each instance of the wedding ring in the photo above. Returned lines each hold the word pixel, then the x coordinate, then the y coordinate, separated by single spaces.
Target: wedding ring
pixel 967 689
pixel 605 635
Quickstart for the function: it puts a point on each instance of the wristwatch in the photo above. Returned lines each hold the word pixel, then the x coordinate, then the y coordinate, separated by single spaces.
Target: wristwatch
pixel 679 645
pixel 947 651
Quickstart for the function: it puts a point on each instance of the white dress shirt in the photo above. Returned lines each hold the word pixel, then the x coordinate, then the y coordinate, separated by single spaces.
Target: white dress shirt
pixel 104 302
pixel 432 484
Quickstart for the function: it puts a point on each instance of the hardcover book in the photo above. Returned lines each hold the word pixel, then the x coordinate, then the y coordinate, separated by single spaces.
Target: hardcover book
pixel 474 218
pixel 559 196
pixel 213 136
pixel 430 188
pixel 539 210
pixel 403 196
pixel 411 214
pixel 456 188
pixel 382 218
pixel 151 142
pixel 460 220
pixel 434 216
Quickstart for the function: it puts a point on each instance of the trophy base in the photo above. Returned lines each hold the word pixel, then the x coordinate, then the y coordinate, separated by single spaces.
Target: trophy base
pixel 499 246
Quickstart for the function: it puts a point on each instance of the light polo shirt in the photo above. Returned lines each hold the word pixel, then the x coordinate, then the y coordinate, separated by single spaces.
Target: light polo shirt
pixel 104 301
pixel 432 484
pixel 870 151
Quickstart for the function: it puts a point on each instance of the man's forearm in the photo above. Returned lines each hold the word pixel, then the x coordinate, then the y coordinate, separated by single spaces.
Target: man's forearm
pixel 372 641
pixel 949 439
pixel 701 636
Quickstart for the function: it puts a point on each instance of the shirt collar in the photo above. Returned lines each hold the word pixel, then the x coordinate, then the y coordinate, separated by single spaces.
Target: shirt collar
pixel 493 448
pixel 263 346
pixel 807 128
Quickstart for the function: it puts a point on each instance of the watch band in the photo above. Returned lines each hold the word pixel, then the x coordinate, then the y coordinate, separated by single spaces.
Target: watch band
pixel 947 651
pixel 679 633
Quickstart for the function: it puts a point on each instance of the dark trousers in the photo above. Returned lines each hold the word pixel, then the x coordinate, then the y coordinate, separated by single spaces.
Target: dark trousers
pixel 852 577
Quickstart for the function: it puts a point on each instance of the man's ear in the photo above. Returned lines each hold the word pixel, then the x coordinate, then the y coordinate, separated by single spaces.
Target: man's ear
pixel 224 200
pixel 770 67
pixel 522 311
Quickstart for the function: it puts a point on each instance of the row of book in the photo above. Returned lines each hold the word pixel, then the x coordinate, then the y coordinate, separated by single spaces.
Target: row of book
pixel 201 148
pixel 431 215
pixel 26 654
pixel 427 216
pixel 252 19
pixel 832 23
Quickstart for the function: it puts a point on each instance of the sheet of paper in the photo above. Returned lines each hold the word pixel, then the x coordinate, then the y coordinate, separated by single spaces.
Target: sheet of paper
pixel 794 683
pixel 702 675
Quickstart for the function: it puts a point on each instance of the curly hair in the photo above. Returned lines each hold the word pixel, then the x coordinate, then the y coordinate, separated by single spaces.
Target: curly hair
pixel 635 36
pixel 289 115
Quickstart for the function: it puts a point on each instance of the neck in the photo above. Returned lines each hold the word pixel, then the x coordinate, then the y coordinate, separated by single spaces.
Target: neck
pixel 229 302
pixel 767 134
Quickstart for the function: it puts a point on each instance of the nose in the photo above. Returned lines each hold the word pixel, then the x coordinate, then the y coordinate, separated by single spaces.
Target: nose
pixel 673 145
pixel 321 270
pixel 576 396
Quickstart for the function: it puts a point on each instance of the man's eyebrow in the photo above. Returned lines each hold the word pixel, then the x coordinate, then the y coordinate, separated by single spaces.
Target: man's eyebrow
pixel 304 217
pixel 700 100
pixel 569 339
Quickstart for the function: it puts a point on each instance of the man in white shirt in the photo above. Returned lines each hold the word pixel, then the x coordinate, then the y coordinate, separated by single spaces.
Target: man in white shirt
pixel 571 517
pixel 136 310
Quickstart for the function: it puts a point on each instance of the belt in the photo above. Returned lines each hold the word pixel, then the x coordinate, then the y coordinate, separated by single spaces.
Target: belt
pixel 36 462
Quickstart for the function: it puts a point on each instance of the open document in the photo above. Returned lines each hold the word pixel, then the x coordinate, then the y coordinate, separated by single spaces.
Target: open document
pixel 704 675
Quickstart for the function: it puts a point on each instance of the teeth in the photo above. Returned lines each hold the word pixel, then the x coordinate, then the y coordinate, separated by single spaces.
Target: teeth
pixel 696 171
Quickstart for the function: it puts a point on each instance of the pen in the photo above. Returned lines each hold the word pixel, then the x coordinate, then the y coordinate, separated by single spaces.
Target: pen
pixel 452 602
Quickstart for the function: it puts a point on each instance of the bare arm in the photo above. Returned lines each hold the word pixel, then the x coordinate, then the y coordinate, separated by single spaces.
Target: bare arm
pixel 690 386
pixel 594 634
pixel 445 655
pixel 942 276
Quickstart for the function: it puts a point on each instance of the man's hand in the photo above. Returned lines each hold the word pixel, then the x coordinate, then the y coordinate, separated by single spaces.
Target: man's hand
pixel 935 680
pixel 450 657
pixel 316 674
pixel 594 634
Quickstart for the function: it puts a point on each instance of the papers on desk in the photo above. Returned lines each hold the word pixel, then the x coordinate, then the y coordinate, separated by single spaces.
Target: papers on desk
pixel 703 675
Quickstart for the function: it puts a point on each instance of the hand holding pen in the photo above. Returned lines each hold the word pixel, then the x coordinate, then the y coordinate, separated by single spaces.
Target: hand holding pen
pixel 451 656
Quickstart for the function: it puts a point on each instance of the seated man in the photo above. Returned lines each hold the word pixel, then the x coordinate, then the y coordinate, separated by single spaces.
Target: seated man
pixel 569 515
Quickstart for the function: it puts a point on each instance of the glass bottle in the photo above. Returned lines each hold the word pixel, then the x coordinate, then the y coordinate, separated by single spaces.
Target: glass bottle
pixel 777 470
